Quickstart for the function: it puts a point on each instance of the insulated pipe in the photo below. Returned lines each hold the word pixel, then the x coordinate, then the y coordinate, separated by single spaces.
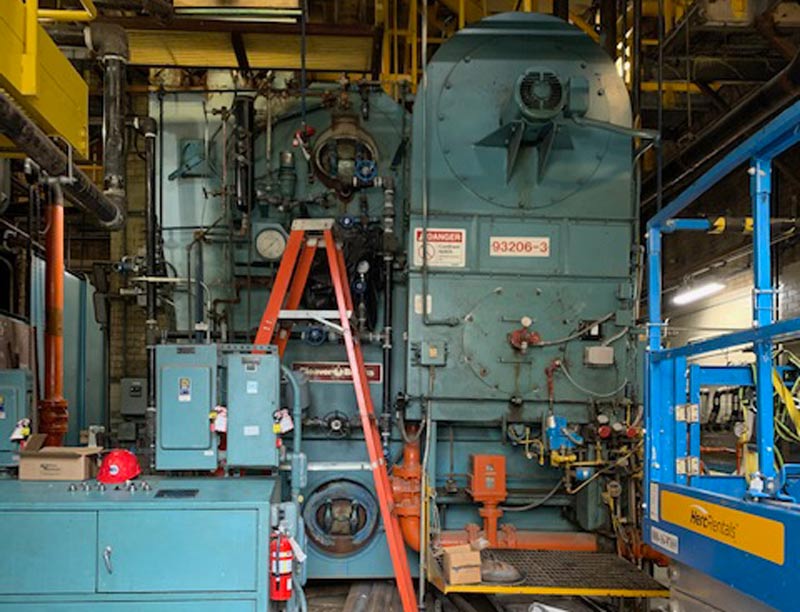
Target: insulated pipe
pixel 26 135
pixel 110 42
pixel 53 414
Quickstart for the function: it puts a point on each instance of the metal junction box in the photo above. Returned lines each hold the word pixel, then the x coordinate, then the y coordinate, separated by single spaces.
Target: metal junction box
pixel 253 396
pixel 133 397
pixel 15 400
pixel 186 383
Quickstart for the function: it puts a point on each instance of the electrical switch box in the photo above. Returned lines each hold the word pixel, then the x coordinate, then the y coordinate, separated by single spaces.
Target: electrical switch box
pixel 253 396
pixel 133 397
pixel 186 394
pixel 15 404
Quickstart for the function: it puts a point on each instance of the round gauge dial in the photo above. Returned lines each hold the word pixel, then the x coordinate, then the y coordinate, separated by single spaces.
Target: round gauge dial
pixel 270 244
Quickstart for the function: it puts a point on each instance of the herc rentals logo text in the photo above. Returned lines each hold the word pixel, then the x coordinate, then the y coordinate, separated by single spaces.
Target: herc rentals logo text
pixel 703 519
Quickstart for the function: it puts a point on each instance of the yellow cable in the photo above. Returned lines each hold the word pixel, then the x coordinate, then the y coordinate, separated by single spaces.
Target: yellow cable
pixel 787 398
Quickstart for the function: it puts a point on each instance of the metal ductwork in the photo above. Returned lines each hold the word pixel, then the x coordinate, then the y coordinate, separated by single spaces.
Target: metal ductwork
pixel 32 141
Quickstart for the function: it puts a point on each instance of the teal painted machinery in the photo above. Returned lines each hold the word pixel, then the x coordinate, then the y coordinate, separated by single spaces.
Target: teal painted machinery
pixel 521 337
pixel 157 545
pixel 490 246
pixel 15 406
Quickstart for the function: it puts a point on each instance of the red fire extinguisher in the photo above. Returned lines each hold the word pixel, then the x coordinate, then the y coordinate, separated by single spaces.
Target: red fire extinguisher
pixel 281 560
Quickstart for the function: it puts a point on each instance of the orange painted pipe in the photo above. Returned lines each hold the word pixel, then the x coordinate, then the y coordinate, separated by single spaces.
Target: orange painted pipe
pixel 53 414
pixel 509 538
pixel 406 487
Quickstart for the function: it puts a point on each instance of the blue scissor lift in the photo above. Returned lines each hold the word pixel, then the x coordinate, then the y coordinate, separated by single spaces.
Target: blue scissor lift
pixel 733 539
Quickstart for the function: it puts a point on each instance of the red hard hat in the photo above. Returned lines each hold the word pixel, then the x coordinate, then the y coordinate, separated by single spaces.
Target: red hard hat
pixel 119 466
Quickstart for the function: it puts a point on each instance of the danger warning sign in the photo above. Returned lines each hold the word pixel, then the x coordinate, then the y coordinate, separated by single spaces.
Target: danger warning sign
pixel 446 248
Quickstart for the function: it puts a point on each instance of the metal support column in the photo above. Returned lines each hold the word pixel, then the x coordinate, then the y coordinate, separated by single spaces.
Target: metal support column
pixel 760 191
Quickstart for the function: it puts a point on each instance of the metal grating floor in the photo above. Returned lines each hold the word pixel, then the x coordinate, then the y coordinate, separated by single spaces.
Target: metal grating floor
pixel 570 573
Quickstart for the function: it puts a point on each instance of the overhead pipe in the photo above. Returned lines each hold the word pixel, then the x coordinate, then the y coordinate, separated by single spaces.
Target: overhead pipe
pixel 31 140
pixel 53 408
pixel 158 8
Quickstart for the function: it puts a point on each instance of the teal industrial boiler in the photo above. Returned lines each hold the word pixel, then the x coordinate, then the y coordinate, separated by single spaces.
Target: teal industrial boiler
pixel 489 229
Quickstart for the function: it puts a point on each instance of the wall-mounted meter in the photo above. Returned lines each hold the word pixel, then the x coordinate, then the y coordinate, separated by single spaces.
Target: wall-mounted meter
pixel 270 243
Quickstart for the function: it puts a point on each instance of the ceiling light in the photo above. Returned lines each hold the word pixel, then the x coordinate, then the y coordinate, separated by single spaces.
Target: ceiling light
pixel 697 292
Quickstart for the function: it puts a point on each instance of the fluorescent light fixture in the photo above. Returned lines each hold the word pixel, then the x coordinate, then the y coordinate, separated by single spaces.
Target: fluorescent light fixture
pixel 697 292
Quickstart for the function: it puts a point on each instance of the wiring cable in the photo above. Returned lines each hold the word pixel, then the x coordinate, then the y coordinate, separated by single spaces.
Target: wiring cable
pixel 598 394
pixel 538 503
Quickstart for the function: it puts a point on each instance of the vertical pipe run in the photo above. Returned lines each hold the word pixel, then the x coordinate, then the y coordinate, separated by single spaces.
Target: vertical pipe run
pixel 388 340
pixel 243 111
pixel 53 413
pixel 199 305
pixel 114 77
pixel 652 370
pixel 608 26
pixel 148 127
pixel 760 192
pixel 561 9
pixel 636 81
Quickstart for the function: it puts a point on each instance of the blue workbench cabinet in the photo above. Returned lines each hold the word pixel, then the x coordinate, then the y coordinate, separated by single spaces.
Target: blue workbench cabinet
pixel 169 544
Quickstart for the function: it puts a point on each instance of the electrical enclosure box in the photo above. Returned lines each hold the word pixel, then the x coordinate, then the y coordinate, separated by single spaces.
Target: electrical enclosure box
pixel 186 394
pixel 253 396
pixel 15 400
pixel 133 397
pixel 487 479
pixel 598 356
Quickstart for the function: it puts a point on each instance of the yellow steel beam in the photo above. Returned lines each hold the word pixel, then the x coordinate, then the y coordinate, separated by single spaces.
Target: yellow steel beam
pixel 581 23
pixel 40 78
pixel 215 50
pixel 88 13
pixel 677 87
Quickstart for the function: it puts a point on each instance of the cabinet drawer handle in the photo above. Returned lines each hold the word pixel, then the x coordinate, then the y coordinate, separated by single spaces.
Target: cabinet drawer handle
pixel 107 560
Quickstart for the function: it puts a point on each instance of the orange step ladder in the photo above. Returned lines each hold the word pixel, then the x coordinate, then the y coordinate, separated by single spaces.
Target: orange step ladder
pixel 306 237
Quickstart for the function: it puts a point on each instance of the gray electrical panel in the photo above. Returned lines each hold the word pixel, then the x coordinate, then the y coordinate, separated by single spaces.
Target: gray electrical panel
pixel 133 400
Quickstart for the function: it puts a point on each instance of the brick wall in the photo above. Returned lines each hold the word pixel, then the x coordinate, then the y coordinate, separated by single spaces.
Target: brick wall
pixel 127 354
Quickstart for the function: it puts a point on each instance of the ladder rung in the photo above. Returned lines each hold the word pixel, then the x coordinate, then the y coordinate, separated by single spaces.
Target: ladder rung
pixel 313 315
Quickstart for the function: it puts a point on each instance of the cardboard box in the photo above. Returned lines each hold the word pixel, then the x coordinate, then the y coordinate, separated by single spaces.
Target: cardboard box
pixel 39 462
pixel 462 565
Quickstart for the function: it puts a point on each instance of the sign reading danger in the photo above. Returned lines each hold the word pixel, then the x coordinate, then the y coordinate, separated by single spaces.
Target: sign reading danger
pixel 447 248
pixel 337 371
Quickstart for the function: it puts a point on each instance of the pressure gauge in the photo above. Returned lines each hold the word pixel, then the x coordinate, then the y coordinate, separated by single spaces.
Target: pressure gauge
pixel 270 244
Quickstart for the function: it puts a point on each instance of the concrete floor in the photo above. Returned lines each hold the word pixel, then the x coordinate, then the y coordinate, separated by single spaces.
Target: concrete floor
pixel 333 597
